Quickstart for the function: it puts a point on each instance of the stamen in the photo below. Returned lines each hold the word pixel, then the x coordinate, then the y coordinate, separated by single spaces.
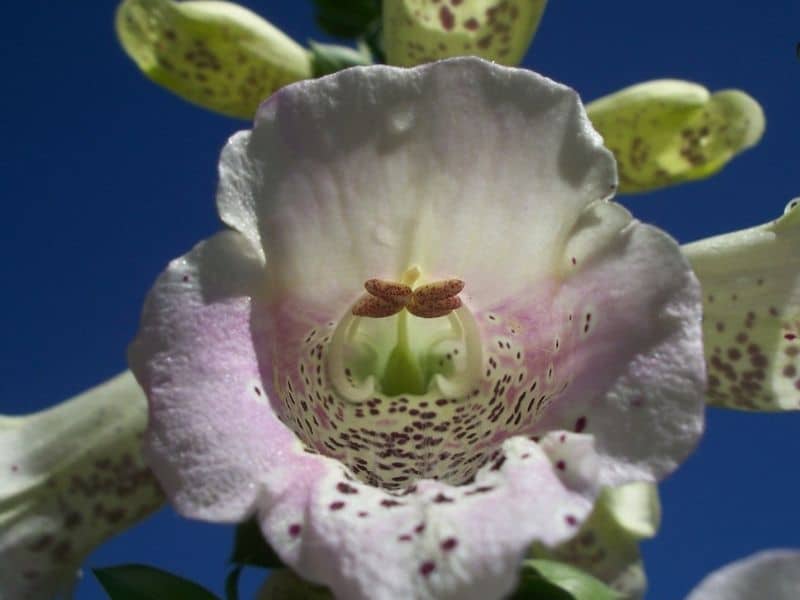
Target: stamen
pixel 375 307
pixel 433 308
pixel 388 290
pixel 386 298
pixel 438 290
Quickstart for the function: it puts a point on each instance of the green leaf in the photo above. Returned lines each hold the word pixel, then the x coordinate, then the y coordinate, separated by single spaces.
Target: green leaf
pixel 551 580
pixel 347 18
pixel 140 582
pixel 250 548
pixel 232 583
pixel 330 58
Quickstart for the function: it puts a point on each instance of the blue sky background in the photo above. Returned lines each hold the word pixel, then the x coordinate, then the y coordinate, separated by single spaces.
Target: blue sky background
pixel 105 177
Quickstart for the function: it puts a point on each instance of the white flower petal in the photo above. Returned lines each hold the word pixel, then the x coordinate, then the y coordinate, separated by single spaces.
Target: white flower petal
pixel 769 575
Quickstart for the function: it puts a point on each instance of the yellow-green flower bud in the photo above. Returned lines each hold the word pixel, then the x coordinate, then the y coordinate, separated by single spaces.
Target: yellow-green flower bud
pixel 607 545
pixel 70 478
pixel 419 31
pixel 218 55
pixel 668 131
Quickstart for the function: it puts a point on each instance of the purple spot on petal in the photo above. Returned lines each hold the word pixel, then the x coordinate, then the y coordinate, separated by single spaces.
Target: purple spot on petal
pixel 427 568
pixel 580 424
pixel 449 544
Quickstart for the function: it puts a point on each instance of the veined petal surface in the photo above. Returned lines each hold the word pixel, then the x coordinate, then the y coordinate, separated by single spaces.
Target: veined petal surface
pixel 218 55
pixel 751 307
pixel 420 31
pixel 569 358
pixel 667 131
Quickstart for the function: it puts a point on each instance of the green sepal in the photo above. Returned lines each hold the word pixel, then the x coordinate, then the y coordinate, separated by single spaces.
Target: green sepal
pixel 330 58
pixel 251 549
pixel 285 584
pixel 141 582
pixel 232 583
pixel 551 580
pixel 347 18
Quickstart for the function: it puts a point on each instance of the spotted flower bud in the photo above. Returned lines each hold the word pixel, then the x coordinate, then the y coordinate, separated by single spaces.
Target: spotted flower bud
pixel 607 545
pixel 751 308
pixel 218 55
pixel 70 478
pixel 667 131
pixel 419 31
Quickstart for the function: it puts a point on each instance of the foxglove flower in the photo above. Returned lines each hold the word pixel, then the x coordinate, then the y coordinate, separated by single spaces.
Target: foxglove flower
pixel 216 54
pixel 70 478
pixel 773 574
pixel 427 339
pixel 420 31
pixel 669 131
pixel 751 308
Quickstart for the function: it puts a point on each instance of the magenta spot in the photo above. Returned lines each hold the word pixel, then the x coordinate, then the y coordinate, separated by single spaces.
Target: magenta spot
pixel 790 336
pixel 580 424
pixel 574 261
pixel 441 499
pixel 295 529
pixel 571 520
pixel 389 503
pixel 446 18
pixel 363 514
pixel 257 390
pixel 404 538
pixel 346 488
pixel 789 371
pixel 419 528
pixel 185 278
pixel 449 544
pixel 561 465
pixel 427 568
pixel 338 505
pixel 471 24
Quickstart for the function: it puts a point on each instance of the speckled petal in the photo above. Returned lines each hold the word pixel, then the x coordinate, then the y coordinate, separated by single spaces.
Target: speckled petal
pixel 668 131
pixel 218 55
pixel 751 306
pixel 420 31
pixel 773 574
pixel 70 478
pixel 607 545
pixel 436 541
